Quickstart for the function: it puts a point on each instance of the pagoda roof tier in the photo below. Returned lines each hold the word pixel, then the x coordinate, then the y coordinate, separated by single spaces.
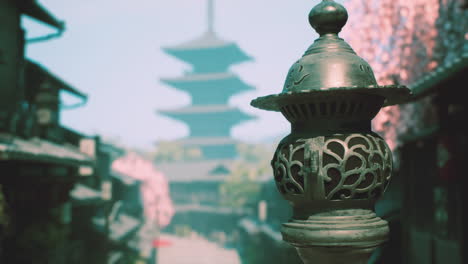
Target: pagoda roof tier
pixel 205 141
pixel 213 113
pixel 213 147
pixel 211 88
pixel 208 120
pixel 208 53
pixel 200 171
pixel 202 109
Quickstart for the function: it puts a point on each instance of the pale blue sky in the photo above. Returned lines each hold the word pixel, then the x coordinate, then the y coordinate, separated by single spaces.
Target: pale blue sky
pixel 111 50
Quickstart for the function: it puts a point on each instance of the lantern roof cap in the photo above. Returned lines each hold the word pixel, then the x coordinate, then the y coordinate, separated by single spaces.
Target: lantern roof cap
pixel 328 17
pixel 330 67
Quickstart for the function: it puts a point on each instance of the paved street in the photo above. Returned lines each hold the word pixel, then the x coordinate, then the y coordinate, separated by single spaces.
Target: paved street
pixel 195 250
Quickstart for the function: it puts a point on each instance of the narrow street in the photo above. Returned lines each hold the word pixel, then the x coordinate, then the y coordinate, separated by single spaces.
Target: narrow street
pixel 194 250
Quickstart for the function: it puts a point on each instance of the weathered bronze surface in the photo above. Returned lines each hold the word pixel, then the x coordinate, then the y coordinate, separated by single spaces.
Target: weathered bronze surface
pixel 340 167
pixel 332 167
pixel 330 67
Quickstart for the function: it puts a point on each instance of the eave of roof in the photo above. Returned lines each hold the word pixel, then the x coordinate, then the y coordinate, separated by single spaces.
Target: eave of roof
pixel 202 109
pixel 206 109
pixel 194 141
pixel 202 77
pixel 34 10
pixel 39 150
pixel 33 68
pixel 82 192
pixel 209 43
pixel 197 80
pixel 206 41
pixel 434 81
pixel 185 114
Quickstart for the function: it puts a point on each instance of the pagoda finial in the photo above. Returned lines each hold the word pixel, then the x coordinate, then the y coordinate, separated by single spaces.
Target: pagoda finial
pixel 211 16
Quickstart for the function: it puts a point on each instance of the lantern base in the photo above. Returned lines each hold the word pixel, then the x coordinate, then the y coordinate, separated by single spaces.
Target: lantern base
pixel 335 255
pixel 340 236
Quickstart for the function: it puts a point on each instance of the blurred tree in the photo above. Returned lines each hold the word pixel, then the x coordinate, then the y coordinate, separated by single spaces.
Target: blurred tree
pixel 403 41
pixel 183 230
pixel 174 151
pixel 242 187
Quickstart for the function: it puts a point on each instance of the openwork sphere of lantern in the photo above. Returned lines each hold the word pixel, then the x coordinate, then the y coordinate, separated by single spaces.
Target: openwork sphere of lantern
pixel 332 167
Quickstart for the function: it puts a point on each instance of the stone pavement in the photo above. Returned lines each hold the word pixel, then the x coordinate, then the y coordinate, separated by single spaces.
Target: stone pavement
pixel 194 250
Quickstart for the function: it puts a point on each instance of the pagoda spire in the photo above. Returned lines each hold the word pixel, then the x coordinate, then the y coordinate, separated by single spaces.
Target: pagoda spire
pixel 210 14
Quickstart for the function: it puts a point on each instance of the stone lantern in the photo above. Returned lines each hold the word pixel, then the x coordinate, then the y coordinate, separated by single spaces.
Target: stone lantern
pixel 331 167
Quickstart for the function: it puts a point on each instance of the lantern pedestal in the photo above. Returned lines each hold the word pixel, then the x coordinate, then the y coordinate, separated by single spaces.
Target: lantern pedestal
pixel 339 236
pixel 332 183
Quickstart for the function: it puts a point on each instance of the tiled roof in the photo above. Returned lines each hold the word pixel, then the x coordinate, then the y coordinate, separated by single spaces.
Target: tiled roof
pixel 83 192
pixel 202 109
pixel 36 149
pixel 435 79
pixel 37 73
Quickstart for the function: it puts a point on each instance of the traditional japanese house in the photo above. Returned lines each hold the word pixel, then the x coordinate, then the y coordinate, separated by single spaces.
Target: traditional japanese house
pixel 425 43
pixel 126 217
pixel 141 194
pixel 39 168
pixel 110 225
pixel 432 159
pixel 92 204
pixel 39 158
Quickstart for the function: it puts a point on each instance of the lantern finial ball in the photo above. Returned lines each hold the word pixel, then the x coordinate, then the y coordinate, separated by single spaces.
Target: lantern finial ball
pixel 328 17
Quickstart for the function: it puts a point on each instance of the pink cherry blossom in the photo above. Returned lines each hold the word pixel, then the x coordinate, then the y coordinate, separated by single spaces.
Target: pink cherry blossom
pixel 154 187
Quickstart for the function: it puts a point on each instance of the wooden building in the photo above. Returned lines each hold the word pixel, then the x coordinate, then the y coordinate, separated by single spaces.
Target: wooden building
pixel 422 44
pixel 40 160
pixel 432 217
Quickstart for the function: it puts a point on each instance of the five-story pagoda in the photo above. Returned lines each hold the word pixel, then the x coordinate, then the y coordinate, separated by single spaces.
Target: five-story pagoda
pixel 210 85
